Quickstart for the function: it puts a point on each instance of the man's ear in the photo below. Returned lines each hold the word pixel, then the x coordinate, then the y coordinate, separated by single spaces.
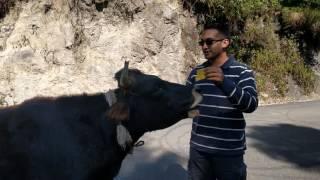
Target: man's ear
pixel 225 43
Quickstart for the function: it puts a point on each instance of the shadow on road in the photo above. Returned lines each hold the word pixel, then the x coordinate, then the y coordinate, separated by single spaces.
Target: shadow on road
pixel 144 166
pixel 294 144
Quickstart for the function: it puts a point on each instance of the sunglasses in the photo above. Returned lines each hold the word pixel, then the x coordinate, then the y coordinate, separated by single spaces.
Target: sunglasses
pixel 209 41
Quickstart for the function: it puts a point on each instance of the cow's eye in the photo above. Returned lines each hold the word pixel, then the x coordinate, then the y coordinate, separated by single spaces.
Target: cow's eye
pixel 161 87
pixel 158 91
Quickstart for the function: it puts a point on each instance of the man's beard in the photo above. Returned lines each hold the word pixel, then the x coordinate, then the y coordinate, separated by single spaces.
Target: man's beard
pixel 214 56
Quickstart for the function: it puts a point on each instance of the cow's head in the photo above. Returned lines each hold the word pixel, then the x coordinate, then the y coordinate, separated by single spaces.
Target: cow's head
pixel 147 103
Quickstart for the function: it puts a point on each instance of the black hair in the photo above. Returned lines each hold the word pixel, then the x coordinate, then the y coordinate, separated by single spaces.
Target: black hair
pixel 223 29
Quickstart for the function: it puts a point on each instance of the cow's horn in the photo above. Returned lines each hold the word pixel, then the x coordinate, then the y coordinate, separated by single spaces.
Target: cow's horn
pixel 124 78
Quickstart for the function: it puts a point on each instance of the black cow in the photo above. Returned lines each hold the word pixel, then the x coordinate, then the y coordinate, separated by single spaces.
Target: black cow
pixel 83 137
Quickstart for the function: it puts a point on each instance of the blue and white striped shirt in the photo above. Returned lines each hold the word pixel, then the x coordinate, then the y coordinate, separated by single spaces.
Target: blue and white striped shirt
pixel 220 127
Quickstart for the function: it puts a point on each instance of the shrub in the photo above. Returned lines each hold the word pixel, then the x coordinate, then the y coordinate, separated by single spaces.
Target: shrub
pixel 271 64
pixel 304 23
pixel 234 11
pixel 5 5
pixel 2 100
pixel 260 33
pixel 279 64
pixel 301 73
pixel 300 3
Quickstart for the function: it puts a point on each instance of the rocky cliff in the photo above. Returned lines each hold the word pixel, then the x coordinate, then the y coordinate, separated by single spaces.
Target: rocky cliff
pixel 54 47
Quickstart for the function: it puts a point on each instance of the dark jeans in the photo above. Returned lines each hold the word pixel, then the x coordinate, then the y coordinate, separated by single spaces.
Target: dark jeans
pixel 206 166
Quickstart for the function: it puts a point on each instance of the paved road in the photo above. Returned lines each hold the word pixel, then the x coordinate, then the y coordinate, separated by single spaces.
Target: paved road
pixel 283 144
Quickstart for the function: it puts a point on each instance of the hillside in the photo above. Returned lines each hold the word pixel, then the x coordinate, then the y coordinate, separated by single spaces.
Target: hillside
pixel 54 47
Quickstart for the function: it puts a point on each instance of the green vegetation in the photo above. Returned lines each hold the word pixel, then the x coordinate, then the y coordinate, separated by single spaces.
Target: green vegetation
pixel 277 64
pixel 304 24
pixel 2 100
pixel 301 3
pixel 277 38
pixel 5 5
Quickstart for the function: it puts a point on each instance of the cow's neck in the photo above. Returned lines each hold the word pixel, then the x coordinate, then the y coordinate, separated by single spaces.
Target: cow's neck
pixel 134 133
pixel 112 96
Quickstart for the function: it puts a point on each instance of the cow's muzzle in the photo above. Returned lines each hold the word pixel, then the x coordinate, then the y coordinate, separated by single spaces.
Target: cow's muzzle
pixel 197 98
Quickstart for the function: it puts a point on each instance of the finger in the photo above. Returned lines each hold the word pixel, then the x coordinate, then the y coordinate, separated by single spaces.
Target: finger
pixel 212 69
pixel 213 74
pixel 214 79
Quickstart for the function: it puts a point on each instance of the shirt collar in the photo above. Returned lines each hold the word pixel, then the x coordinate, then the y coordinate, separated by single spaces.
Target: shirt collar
pixel 226 65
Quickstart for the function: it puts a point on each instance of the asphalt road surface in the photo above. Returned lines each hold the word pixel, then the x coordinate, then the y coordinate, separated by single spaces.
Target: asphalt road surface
pixel 283 143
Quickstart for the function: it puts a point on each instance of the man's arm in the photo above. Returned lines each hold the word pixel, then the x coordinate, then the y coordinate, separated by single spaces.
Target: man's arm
pixel 242 95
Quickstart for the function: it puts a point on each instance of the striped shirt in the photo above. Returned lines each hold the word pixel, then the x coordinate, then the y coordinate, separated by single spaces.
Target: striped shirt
pixel 220 127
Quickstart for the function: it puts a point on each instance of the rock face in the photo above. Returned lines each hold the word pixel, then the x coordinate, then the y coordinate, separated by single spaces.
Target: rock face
pixel 54 47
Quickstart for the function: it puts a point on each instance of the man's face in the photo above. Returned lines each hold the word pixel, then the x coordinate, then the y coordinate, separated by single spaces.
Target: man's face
pixel 212 43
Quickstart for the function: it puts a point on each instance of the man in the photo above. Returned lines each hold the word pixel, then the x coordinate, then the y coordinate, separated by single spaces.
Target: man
pixel 228 87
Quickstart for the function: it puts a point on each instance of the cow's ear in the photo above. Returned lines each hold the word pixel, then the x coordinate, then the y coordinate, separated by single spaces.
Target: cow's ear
pixel 119 112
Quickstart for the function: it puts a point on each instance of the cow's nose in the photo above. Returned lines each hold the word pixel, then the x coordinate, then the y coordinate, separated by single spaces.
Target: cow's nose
pixel 187 102
pixel 197 88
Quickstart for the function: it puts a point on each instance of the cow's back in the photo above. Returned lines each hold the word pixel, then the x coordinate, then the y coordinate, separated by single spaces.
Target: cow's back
pixel 61 139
